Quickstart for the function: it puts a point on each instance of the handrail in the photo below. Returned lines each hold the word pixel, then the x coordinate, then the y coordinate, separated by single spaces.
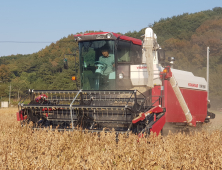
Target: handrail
pixel 71 106
pixel 159 97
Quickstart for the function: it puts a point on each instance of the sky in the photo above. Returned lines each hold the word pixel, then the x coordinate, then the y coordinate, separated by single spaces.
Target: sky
pixel 27 26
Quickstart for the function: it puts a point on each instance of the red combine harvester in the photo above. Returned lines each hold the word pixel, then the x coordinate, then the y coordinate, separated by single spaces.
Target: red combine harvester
pixel 124 86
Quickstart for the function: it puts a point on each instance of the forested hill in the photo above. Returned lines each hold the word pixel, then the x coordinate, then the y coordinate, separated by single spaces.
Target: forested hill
pixel 184 37
pixel 41 70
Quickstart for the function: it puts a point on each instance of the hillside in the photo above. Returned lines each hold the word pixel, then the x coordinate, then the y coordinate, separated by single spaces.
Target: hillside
pixel 185 37
pixel 41 70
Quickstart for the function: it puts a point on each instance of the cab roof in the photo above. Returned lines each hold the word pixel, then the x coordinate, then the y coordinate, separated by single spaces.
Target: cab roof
pixel 103 35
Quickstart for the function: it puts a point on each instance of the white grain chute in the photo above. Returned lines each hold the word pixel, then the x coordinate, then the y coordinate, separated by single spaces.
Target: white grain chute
pixel 181 100
pixel 148 53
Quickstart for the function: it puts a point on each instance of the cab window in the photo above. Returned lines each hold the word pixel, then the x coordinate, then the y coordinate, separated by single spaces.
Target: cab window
pixel 127 52
pixel 123 52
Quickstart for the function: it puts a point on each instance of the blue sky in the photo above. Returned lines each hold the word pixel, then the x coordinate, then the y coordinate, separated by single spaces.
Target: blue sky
pixel 51 20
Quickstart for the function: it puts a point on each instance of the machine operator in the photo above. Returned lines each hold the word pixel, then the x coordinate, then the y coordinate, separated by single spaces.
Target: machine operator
pixel 108 59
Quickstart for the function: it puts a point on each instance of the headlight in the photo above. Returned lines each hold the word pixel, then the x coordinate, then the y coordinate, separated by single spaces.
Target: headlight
pixel 121 76
pixel 108 35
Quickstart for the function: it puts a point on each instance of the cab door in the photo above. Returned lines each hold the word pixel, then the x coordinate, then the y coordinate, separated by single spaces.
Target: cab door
pixel 127 54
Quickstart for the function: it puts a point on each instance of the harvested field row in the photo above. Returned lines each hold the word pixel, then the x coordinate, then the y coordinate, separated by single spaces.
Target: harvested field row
pixel 22 148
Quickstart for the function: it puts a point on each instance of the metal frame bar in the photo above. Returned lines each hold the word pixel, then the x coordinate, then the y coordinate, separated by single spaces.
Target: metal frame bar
pixel 80 91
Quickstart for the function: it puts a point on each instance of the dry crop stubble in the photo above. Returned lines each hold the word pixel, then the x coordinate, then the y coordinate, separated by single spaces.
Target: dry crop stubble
pixel 23 148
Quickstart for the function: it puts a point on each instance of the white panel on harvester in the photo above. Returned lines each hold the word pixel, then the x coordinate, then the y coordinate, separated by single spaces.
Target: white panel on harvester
pixel 186 79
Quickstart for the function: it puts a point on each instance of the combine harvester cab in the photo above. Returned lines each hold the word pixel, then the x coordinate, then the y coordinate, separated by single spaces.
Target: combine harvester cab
pixel 123 87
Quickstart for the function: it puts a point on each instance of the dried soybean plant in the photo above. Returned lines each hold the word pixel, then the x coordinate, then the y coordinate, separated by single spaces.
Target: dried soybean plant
pixel 23 148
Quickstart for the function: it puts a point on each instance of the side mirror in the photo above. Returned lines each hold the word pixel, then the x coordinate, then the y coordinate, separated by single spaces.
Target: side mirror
pixel 161 55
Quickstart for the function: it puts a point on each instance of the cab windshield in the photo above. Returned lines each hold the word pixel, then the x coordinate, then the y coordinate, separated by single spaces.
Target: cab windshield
pixel 97 64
